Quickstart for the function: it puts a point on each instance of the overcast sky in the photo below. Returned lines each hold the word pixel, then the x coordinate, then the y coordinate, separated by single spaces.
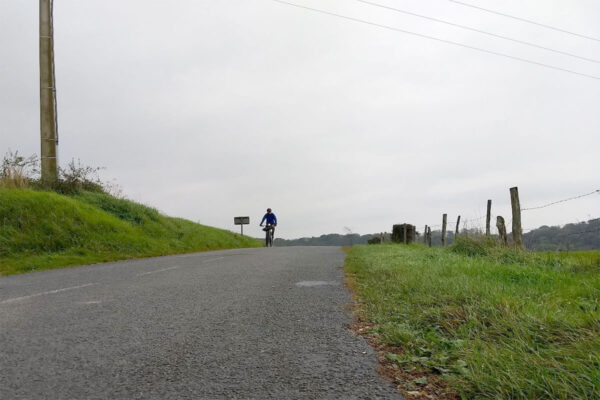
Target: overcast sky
pixel 208 110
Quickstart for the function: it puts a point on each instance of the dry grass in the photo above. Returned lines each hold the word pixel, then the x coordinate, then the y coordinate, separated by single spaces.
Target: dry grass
pixel 16 170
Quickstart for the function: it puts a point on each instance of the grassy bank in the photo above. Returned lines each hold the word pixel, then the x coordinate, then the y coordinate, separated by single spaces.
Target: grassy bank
pixel 43 230
pixel 489 323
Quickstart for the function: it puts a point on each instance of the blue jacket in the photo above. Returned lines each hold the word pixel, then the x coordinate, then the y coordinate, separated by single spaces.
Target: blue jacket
pixel 271 219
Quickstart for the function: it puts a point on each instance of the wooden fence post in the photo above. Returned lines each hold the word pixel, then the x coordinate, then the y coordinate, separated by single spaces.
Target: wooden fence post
pixel 457 227
pixel 405 234
pixel 444 222
pixel 488 217
pixel 429 236
pixel 501 230
pixel 425 235
pixel 517 231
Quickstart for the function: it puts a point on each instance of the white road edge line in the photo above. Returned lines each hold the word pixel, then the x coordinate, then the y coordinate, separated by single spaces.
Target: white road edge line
pixel 15 299
pixel 158 270
pixel 176 267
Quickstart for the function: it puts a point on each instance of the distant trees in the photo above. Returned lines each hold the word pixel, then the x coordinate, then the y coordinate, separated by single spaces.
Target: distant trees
pixel 571 237
pixel 332 239
pixel 578 236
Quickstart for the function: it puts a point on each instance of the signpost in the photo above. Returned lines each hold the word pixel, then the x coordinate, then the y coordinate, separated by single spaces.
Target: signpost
pixel 241 221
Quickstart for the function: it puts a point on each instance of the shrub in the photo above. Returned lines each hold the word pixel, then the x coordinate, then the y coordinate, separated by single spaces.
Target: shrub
pixel 76 177
pixel 24 172
pixel 374 240
pixel 473 245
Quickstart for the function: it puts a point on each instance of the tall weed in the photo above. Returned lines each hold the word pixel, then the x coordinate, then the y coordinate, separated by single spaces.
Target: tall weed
pixel 18 171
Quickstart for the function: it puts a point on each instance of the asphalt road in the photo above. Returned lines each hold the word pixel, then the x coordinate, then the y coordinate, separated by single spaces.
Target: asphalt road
pixel 240 324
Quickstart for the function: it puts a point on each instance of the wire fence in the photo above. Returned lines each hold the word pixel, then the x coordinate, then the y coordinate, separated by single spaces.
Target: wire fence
pixel 478 224
pixel 597 191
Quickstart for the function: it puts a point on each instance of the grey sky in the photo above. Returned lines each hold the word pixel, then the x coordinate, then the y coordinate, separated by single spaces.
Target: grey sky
pixel 212 109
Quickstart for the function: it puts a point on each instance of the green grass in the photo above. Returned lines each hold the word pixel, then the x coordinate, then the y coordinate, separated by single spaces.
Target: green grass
pixel 43 230
pixel 495 324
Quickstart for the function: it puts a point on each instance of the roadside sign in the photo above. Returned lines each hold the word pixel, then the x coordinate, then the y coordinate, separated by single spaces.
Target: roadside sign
pixel 241 221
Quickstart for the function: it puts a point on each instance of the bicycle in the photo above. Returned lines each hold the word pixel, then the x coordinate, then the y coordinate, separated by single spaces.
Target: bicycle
pixel 269 229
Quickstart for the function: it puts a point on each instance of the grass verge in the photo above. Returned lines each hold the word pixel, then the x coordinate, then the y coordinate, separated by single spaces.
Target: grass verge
pixel 474 322
pixel 44 230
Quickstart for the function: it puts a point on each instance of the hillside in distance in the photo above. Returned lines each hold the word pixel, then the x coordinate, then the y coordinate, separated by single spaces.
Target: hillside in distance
pixel 575 236
pixel 332 239
pixel 570 237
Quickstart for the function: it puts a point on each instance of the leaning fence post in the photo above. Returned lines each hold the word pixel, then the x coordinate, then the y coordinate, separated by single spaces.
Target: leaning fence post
pixel 501 230
pixel 444 222
pixel 457 227
pixel 517 231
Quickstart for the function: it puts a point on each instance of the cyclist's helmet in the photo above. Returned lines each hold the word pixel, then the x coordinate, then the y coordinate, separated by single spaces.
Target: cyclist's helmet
pixel 268 210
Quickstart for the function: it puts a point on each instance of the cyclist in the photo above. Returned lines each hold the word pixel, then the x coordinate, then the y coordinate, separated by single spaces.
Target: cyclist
pixel 271 221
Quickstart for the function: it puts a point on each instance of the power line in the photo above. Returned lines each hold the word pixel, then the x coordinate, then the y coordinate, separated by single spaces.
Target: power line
pixel 438 39
pixel 561 201
pixel 480 31
pixel 525 20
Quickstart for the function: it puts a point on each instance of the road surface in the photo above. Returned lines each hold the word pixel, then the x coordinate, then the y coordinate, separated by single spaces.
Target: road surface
pixel 239 324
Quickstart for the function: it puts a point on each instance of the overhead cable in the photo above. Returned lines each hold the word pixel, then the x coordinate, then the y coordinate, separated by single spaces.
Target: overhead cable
pixel 480 31
pixel 525 20
pixel 525 60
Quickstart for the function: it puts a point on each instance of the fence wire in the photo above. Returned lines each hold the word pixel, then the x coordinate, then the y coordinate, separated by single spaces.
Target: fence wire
pixel 561 201
pixel 508 223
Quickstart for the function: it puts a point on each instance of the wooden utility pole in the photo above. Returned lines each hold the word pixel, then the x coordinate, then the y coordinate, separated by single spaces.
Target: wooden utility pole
pixel 444 222
pixel 488 218
pixel 457 227
pixel 517 231
pixel 48 126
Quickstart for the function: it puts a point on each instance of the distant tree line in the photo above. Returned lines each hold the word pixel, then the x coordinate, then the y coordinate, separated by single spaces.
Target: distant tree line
pixel 570 237
pixel 578 236
pixel 332 239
